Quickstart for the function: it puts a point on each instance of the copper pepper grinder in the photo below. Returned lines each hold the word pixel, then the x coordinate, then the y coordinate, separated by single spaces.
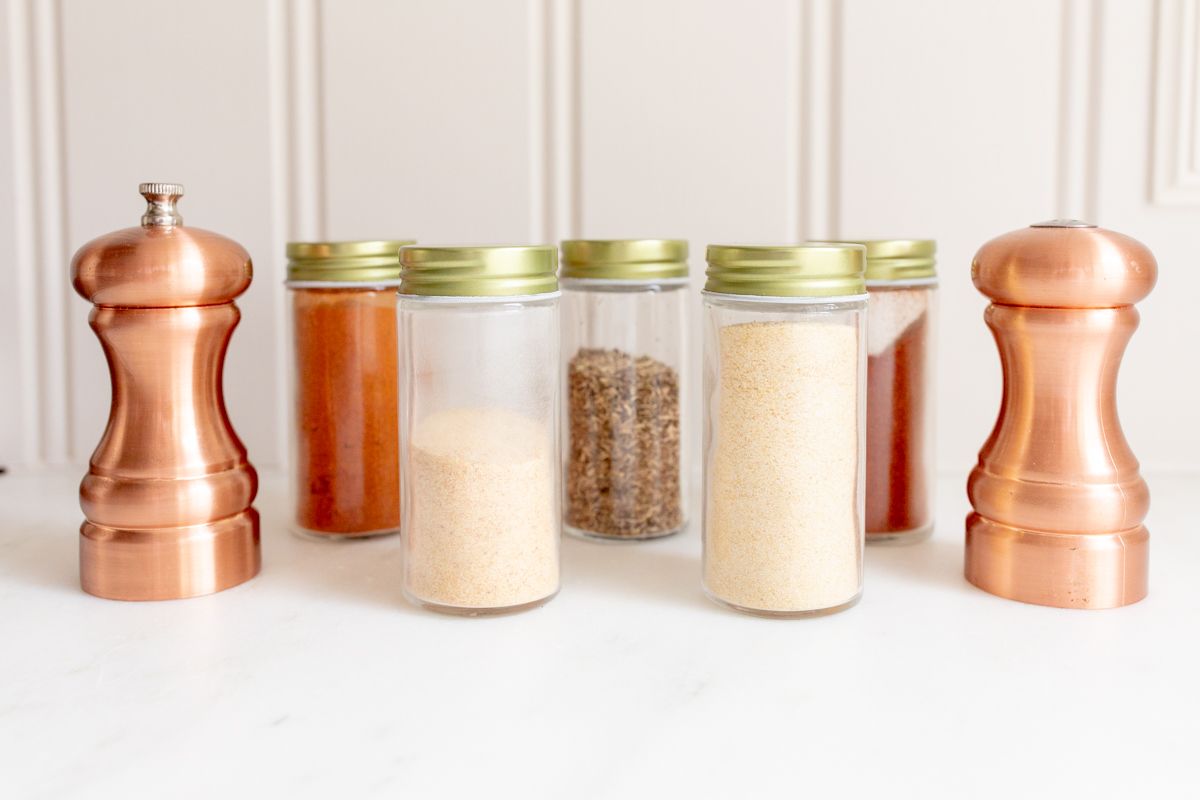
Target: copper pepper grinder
pixel 168 492
pixel 1058 499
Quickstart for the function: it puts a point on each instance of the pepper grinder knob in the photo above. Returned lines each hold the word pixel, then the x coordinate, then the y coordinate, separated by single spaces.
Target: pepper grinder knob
pixel 1058 500
pixel 160 204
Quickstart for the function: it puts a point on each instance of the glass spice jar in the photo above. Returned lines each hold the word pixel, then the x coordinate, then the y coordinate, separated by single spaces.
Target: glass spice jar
pixel 902 283
pixel 784 377
pixel 479 427
pixel 345 456
pixel 625 306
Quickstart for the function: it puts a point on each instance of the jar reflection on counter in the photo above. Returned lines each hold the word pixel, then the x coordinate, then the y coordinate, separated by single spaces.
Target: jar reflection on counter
pixel 480 427
pixel 625 308
pixel 344 441
pixel 902 283
pixel 784 374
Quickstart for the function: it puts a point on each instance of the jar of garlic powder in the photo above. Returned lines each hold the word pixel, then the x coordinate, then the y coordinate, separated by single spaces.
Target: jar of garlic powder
pixel 345 450
pixel 479 427
pixel 902 283
pixel 625 305
pixel 784 379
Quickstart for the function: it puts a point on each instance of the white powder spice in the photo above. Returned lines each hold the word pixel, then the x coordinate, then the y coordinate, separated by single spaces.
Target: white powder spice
pixel 890 312
pixel 483 530
pixel 783 532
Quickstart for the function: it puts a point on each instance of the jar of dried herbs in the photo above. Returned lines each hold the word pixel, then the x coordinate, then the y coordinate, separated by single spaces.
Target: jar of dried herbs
pixel 344 457
pixel 624 349
pixel 784 375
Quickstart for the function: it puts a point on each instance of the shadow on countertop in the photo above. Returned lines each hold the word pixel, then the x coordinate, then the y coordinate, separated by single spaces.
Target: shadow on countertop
pixel 655 570
pixel 936 562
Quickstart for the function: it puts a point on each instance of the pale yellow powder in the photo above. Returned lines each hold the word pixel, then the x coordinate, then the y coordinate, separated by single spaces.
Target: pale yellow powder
pixel 483 524
pixel 783 533
pixel 892 312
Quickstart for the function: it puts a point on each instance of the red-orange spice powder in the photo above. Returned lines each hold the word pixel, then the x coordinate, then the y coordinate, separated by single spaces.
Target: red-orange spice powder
pixel 347 468
pixel 897 461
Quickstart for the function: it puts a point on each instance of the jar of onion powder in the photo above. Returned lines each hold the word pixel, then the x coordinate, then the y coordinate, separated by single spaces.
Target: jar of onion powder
pixel 479 427
pixel 784 379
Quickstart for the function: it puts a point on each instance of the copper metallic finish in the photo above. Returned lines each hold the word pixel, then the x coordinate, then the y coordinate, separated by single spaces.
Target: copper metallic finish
pixel 1058 499
pixel 168 493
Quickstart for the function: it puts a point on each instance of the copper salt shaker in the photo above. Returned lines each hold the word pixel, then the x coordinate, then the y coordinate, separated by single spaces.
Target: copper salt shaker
pixel 168 491
pixel 1058 499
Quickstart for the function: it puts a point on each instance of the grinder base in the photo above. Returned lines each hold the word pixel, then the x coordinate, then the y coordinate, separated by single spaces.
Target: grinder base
pixel 169 563
pixel 1066 570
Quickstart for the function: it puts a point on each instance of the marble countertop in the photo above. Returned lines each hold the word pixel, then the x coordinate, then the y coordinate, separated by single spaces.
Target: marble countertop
pixel 316 679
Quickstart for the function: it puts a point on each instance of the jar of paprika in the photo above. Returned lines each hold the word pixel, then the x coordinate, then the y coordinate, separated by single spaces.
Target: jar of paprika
pixel 345 456
pixel 902 283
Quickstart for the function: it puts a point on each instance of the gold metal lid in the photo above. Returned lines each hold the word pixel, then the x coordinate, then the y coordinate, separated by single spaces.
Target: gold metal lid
pixel 899 259
pixel 357 262
pixel 478 271
pixel 805 270
pixel 624 259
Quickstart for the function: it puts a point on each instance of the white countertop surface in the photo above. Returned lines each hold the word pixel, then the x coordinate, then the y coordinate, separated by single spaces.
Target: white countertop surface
pixel 316 679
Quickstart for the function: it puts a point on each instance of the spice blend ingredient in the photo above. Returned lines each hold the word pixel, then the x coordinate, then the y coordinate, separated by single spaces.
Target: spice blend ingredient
pixel 898 497
pixel 623 464
pixel 782 532
pixel 482 526
pixel 347 469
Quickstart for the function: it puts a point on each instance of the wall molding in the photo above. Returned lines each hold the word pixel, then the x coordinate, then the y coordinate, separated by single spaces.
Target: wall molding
pixel 1080 79
pixel 40 225
pixel 554 151
pixel 297 146
pixel 818 119
pixel 1175 160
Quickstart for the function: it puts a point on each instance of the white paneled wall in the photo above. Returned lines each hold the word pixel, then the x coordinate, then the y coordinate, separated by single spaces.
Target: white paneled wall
pixel 533 120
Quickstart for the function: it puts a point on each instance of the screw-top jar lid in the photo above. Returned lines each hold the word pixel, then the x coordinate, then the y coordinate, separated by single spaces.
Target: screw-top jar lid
pixel 625 259
pixel 899 259
pixel 352 262
pixel 805 270
pixel 478 271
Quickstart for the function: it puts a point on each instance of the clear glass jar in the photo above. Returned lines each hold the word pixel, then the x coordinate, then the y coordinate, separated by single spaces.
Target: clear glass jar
pixel 344 445
pixel 479 427
pixel 625 306
pixel 784 379
pixel 902 283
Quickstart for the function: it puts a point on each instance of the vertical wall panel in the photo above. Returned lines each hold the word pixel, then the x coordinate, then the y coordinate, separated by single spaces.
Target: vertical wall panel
pixel 1159 381
pixel 951 114
pixel 688 128
pixel 430 107
pixel 15 446
pixel 686 119
pixel 177 92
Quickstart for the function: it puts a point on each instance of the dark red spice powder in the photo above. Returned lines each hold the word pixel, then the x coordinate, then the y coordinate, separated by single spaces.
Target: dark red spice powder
pixel 897 461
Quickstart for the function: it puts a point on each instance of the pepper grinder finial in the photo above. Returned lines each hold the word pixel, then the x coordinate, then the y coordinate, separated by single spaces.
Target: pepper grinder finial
pixel 160 204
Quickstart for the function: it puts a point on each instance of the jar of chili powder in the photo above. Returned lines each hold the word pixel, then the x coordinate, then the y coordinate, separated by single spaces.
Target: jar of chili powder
pixel 345 452
pixel 901 281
